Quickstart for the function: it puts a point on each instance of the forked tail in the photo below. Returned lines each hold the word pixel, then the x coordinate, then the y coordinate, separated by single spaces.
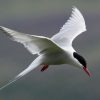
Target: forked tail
pixel 32 66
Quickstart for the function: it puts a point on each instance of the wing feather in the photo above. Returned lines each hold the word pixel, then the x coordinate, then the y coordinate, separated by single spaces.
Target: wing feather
pixel 70 30
pixel 35 44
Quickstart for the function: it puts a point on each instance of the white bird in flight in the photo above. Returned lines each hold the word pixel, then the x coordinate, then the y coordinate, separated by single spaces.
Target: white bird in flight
pixel 55 50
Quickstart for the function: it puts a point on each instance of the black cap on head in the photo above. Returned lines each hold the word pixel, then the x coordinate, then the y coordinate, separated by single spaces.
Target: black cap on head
pixel 80 59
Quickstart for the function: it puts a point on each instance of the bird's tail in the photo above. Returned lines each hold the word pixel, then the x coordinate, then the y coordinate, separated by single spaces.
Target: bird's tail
pixel 32 66
pixel 10 82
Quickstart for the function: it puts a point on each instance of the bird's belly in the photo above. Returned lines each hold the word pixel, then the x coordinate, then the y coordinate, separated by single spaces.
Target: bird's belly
pixel 55 59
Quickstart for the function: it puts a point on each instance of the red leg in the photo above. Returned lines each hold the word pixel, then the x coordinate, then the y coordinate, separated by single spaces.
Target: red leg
pixel 44 67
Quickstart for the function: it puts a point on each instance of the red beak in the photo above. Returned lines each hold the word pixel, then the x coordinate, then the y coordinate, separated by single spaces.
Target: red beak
pixel 87 71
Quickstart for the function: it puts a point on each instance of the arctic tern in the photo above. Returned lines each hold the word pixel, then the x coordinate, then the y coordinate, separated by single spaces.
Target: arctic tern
pixel 55 50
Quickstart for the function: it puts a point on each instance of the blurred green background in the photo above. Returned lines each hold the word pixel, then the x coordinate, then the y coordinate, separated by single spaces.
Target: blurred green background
pixel 45 17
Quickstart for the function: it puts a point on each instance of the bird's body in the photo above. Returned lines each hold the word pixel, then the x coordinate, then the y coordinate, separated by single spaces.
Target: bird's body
pixel 55 58
pixel 56 50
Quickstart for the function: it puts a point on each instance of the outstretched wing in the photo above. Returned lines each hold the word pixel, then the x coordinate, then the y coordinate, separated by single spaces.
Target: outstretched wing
pixel 35 44
pixel 71 29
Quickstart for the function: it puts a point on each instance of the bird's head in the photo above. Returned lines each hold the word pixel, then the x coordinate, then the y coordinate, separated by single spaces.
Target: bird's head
pixel 81 62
